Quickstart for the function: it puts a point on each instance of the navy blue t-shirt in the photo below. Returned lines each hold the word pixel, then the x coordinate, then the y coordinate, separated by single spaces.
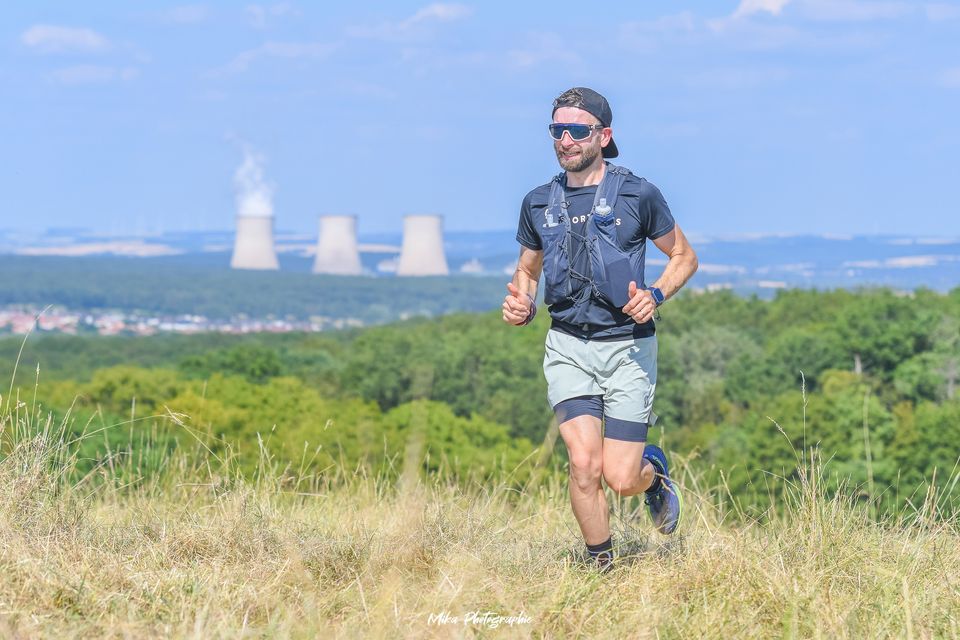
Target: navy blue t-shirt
pixel 640 213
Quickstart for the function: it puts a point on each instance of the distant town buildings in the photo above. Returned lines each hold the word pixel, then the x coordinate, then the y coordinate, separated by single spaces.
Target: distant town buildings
pixel 23 320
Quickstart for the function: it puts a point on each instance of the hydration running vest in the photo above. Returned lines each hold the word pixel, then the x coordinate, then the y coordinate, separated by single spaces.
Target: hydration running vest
pixel 609 268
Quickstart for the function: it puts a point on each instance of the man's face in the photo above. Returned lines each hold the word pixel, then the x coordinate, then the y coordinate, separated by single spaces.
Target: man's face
pixel 577 155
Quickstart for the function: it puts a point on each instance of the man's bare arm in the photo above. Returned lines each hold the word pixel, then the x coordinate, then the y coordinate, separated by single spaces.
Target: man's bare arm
pixel 682 263
pixel 529 268
pixel 523 288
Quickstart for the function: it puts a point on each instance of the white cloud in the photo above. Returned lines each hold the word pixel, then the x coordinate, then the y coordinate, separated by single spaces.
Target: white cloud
pixel 744 29
pixel 764 25
pixel 903 262
pixel 677 22
pixel 721 269
pixel 937 241
pixel 749 7
pixel 950 78
pixel 829 10
pixel 289 50
pixel 424 60
pixel 750 34
pixel 438 11
pixel 540 48
pixel 260 16
pixel 48 38
pixel 186 14
pixel 855 10
pixel 941 11
pixel 93 74
pixel 907 262
pixel 759 36
pixel 413 25
pixel 647 35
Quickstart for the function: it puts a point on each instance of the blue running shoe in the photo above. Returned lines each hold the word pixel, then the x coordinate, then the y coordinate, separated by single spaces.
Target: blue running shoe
pixel 664 500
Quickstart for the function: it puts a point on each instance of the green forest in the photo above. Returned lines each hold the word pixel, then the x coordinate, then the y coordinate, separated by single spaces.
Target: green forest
pixel 865 381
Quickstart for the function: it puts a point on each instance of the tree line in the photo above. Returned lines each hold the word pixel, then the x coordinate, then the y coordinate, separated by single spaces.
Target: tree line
pixel 866 380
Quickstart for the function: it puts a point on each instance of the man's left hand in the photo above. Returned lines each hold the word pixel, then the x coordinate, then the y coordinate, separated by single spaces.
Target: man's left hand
pixel 641 306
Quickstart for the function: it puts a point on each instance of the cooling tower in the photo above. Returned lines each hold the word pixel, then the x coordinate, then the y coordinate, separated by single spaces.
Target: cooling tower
pixel 253 247
pixel 337 246
pixel 422 250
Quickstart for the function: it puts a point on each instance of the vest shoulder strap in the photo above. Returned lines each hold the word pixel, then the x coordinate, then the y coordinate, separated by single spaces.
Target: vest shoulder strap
pixel 612 183
pixel 557 205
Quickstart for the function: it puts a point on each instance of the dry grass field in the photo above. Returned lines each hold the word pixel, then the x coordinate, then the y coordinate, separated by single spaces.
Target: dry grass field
pixel 198 552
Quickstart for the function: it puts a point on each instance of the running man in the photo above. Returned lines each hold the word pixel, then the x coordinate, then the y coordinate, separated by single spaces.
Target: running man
pixel 586 231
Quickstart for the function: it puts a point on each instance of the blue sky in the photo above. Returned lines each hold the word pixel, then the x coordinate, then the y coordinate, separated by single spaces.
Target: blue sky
pixel 779 116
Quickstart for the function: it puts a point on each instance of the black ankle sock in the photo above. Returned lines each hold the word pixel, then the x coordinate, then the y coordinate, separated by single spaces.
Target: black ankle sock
pixel 602 553
pixel 657 472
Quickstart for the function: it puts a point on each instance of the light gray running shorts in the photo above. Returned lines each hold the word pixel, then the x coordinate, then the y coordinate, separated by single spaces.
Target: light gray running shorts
pixel 613 378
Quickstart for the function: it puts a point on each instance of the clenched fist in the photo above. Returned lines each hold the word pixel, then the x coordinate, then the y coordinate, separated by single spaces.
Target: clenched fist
pixel 641 305
pixel 518 308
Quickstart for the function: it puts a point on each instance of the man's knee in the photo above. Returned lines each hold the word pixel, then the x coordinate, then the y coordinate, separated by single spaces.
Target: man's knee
pixel 586 468
pixel 622 480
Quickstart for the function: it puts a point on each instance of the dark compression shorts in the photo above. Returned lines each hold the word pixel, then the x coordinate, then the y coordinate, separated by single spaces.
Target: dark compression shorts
pixel 613 428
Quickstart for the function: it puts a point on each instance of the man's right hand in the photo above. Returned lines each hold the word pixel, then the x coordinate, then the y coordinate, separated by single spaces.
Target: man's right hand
pixel 641 305
pixel 516 306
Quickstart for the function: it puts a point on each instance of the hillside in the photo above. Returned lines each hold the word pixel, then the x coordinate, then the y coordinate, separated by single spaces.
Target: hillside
pixel 388 482
pixel 200 552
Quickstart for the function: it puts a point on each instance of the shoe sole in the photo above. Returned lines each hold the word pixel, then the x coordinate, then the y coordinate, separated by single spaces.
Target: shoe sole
pixel 679 495
pixel 675 491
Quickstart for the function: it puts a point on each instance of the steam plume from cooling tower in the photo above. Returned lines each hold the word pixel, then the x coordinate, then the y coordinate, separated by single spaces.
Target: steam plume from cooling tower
pixel 254 195
pixel 337 246
pixel 253 247
pixel 422 251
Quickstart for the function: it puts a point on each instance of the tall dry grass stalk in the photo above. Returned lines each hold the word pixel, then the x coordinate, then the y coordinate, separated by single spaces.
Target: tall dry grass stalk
pixel 199 551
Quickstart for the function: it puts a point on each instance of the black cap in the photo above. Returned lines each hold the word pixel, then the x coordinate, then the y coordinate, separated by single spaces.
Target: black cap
pixel 594 104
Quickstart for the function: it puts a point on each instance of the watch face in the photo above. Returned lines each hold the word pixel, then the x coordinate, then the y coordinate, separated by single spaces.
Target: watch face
pixel 657 295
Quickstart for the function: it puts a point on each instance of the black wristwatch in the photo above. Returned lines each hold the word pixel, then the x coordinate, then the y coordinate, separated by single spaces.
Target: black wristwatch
pixel 657 295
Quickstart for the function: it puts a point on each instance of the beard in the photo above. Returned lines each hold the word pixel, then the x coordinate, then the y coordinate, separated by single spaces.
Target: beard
pixel 588 154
